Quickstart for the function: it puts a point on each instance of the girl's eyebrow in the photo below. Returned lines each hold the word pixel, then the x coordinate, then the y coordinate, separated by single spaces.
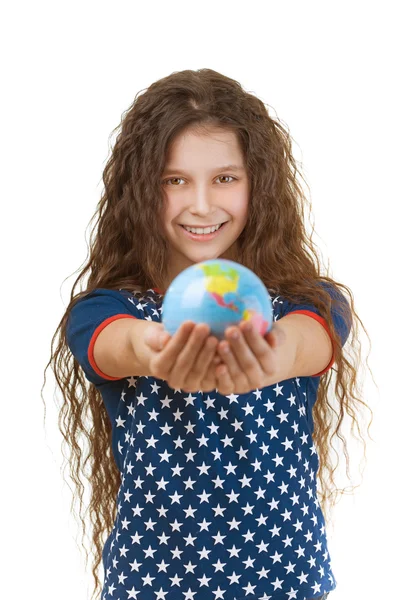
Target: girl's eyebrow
pixel 225 168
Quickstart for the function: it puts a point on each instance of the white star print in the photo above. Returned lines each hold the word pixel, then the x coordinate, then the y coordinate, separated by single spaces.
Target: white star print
pixel 218 494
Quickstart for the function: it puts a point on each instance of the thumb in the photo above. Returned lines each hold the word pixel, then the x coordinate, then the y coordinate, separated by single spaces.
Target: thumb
pixel 276 336
pixel 156 337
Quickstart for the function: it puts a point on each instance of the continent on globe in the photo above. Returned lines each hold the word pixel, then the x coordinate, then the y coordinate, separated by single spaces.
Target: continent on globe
pixel 219 281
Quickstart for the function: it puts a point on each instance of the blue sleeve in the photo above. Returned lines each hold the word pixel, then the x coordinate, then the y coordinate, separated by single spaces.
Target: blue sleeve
pixel 87 319
pixel 340 323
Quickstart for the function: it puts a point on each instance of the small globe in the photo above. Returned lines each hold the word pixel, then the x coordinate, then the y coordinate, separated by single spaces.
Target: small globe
pixel 218 292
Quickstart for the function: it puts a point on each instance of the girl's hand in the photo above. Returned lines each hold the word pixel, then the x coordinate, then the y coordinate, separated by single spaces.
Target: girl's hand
pixel 186 360
pixel 251 362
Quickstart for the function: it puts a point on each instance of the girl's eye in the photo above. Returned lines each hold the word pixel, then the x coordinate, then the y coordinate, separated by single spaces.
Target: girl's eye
pixel 179 178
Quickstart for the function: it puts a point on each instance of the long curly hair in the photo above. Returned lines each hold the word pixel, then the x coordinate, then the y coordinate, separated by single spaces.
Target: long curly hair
pixel 128 249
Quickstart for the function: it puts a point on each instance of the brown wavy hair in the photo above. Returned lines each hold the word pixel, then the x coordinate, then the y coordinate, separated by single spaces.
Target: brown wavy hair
pixel 128 249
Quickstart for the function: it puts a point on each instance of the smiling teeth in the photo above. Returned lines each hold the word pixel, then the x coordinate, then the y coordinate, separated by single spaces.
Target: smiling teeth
pixel 201 231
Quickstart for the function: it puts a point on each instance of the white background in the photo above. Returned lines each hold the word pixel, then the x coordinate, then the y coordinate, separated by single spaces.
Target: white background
pixel 69 71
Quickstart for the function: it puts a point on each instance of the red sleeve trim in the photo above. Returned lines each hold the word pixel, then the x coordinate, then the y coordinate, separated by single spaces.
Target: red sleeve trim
pixel 93 340
pixel 324 323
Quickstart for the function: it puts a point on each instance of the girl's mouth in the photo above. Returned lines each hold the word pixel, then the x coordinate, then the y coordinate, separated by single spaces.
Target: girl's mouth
pixel 203 237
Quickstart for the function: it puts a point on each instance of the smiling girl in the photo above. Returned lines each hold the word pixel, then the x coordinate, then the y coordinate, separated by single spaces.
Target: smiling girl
pixel 205 456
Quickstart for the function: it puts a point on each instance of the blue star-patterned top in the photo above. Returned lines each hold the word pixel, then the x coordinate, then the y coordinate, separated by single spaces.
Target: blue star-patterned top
pixel 218 493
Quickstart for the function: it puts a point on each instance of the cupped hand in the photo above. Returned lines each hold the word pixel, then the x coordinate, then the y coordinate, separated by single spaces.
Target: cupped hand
pixel 251 360
pixel 187 360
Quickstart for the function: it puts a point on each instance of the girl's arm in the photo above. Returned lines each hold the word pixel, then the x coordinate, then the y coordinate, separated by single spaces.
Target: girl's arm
pixel 134 347
pixel 120 351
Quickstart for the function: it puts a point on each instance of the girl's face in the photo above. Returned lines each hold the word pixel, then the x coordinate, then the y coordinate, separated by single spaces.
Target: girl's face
pixel 200 191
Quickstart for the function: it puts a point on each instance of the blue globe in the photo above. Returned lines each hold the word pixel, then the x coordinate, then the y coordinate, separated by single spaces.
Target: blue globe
pixel 218 292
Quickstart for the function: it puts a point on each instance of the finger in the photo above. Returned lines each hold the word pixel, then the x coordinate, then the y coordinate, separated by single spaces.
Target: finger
pixel 207 356
pixel 217 360
pixel 166 359
pixel 163 339
pixel 236 373
pixel 187 358
pixel 225 385
pixel 275 336
pixel 197 374
pixel 261 349
pixel 208 379
pixel 153 336
pixel 248 361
